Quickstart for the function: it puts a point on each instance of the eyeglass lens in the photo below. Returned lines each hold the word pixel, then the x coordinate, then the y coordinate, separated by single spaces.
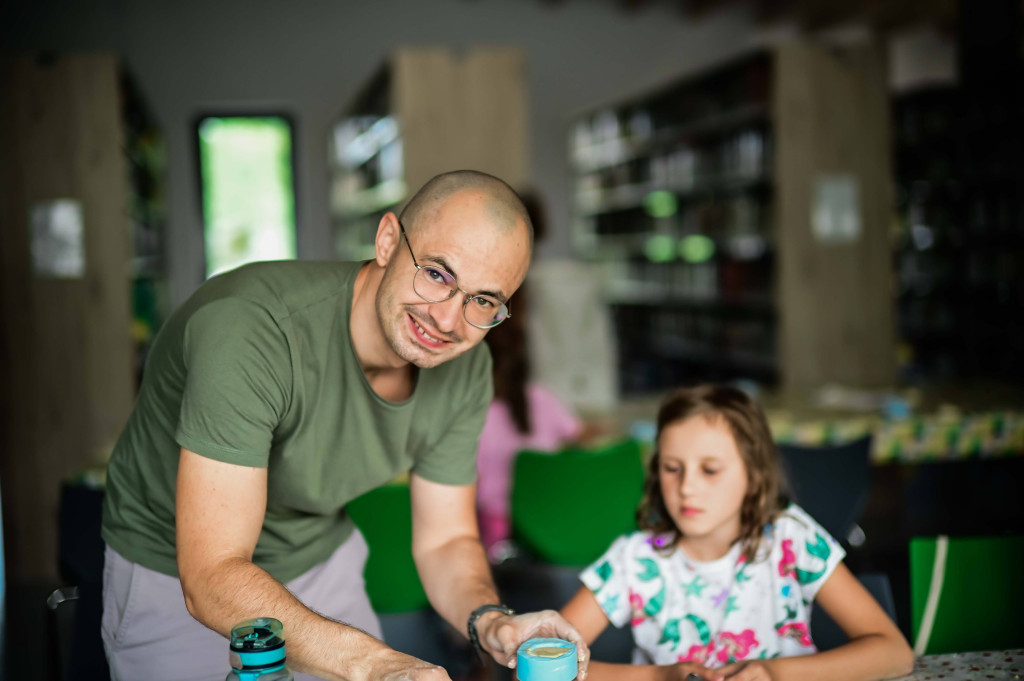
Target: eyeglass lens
pixel 436 285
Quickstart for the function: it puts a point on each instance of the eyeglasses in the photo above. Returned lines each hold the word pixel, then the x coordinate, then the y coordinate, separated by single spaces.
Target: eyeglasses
pixel 436 285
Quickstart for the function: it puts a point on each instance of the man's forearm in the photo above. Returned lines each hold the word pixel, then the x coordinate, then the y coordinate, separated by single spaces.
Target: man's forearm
pixel 237 590
pixel 457 579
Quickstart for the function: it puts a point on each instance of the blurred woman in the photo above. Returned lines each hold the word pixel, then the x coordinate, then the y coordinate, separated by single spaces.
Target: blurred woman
pixel 523 415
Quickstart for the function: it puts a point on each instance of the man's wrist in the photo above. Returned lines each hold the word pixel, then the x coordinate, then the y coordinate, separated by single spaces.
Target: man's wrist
pixel 474 618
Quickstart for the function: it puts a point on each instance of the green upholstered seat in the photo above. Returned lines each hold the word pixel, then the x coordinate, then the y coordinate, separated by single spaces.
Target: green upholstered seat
pixel 568 507
pixel 966 593
pixel 384 516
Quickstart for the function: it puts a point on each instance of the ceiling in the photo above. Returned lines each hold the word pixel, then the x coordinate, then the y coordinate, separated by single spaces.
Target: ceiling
pixel 816 14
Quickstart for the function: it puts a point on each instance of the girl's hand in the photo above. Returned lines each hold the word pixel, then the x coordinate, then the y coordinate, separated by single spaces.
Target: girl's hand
pixel 753 670
pixel 681 671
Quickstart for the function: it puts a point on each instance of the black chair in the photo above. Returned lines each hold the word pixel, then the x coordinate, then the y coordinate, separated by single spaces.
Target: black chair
pixel 827 634
pixel 408 622
pixel 75 611
pixel 830 482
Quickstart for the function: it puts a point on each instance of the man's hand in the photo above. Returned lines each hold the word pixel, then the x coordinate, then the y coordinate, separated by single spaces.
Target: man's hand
pixel 391 665
pixel 687 671
pixel 501 635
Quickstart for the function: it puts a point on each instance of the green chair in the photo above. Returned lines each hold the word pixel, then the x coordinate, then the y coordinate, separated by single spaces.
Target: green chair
pixel 384 516
pixel 407 621
pixel 966 593
pixel 568 507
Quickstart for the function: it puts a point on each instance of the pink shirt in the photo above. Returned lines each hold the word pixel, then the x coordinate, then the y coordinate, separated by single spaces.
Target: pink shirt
pixel 553 424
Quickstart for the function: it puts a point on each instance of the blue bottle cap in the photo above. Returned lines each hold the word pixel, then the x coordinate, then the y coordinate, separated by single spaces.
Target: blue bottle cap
pixel 257 645
pixel 546 659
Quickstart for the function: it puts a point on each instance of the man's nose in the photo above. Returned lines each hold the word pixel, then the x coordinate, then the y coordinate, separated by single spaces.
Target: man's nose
pixel 447 314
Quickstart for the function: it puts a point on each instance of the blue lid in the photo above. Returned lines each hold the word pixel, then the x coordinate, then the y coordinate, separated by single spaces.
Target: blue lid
pixel 546 659
pixel 257 645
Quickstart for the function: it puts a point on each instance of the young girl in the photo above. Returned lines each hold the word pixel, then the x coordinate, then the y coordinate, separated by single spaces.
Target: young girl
pixel 720 578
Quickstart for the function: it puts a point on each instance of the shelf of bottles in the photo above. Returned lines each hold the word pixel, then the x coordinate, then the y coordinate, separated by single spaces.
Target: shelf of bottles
pixel 367 171
pixel 672 196
pixel 959 246
pixel 145 164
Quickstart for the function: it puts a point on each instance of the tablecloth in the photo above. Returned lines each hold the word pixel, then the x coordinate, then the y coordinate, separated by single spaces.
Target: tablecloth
pixel 998 664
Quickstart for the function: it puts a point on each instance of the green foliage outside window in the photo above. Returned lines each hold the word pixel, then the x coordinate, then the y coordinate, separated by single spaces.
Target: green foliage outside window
pixel 248 190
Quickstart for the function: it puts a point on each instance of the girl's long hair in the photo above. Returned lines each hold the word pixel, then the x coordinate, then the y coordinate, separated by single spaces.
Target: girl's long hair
pixel 511 359
pixel 508 341
pixel 766 493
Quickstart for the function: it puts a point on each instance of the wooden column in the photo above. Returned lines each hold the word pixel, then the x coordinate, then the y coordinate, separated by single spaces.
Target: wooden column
pixel 835 296
pixel 65 345
pixel 461 110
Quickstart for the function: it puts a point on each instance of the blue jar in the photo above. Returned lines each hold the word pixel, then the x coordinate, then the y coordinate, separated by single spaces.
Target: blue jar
pixel 546 659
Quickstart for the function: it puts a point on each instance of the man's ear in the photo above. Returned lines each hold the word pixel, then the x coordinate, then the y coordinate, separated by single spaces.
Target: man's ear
pixel 388 240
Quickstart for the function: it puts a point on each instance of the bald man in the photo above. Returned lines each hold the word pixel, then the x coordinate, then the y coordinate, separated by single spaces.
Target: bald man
pixel 278 393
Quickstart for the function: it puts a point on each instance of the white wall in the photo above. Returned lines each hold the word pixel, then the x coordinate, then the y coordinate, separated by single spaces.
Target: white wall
pixel 309 58
pixel 921 56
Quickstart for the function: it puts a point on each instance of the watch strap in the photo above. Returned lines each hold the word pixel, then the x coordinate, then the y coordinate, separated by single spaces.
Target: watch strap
pixel 475 615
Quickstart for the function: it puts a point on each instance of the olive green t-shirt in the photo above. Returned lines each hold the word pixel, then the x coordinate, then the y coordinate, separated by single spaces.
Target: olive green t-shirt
pixel 257 368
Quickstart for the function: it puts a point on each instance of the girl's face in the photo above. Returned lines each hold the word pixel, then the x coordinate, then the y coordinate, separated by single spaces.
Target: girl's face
pixel 703 481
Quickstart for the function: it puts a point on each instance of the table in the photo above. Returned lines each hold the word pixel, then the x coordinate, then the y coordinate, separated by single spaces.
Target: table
pixel 996 664
pixel 943 436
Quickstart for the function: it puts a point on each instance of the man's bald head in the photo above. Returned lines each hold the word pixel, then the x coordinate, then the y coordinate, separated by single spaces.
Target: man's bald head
pixel 504 206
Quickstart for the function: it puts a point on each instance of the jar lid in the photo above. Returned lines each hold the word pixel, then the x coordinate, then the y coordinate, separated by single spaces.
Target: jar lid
pixel 546 659
pixel 257 644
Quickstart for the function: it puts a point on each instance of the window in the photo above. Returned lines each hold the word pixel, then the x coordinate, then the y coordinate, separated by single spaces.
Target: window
pixel 248 191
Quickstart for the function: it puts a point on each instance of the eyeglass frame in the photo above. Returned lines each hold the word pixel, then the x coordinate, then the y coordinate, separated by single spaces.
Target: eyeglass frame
pixel 452 291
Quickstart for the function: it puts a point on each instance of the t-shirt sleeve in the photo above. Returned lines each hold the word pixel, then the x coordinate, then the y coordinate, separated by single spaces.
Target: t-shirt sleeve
pixel 608 579
pixel 815 551
pixel 238 382
pixel 451 460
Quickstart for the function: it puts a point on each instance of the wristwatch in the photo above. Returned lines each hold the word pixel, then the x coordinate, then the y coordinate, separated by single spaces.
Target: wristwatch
pixel 475 615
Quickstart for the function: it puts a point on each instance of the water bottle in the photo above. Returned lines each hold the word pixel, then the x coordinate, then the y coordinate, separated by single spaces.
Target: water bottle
pixel 257 651
pixel 546 659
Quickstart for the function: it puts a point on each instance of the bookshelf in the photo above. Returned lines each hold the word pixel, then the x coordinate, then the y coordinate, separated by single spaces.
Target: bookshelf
pixel 739 219
pixel 959 245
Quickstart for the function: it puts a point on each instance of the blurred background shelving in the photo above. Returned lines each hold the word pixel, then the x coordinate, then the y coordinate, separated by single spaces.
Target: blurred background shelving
pixel 676 196
pixel 822 201
pixel 425 111
pixel 145 160
pixel 958 244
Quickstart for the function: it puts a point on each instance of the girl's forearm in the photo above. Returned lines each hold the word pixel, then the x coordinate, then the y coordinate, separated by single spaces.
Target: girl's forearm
pixel 868 658
pixel 605 671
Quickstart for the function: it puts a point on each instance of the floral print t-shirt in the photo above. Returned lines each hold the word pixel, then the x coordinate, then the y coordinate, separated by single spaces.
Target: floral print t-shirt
pixel 720 611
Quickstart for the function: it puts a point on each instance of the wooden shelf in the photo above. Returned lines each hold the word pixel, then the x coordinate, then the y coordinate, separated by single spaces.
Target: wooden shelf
pixel 613 152
pixel 373 199
pixel 658 297
pixel 631 196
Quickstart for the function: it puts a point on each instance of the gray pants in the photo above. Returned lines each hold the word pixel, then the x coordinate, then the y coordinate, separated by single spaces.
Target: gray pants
pixel 149 634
